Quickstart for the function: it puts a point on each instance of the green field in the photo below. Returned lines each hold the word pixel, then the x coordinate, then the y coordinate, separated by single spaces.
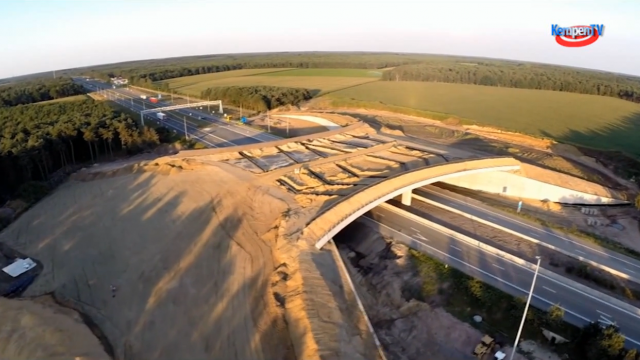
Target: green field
pixel 200 82
pixel 317 80
pixel 587 120
pixel 330 72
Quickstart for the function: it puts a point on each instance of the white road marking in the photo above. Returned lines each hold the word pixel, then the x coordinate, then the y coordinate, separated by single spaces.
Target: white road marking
pixel 633 313
pixel 580 251
pixel 421 237
pixel 416 230
pixel 457 248
pixel 514 220
pixel 629 270
pixel 546 288
pixel 499 267
pixel 532 233
pixel 516 286
pixel 605 314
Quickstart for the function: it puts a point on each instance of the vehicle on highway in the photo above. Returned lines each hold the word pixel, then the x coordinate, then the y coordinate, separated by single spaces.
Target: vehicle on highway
pixel 144 97
pixel 161 116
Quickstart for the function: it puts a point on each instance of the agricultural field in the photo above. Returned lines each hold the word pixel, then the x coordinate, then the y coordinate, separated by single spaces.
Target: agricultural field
pixel 585 120
pixel 330 72
pixel 196 83
pixel 317 80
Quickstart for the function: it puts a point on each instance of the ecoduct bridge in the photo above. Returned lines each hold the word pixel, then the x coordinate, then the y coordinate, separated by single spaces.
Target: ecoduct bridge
pixel 336 177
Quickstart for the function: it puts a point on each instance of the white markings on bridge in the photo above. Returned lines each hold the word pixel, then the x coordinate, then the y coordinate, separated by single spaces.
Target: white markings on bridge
pixel 457 248
pixel 581 252
pixel 416 230
pixel 546 288
pixel 499 267
pixel 629 270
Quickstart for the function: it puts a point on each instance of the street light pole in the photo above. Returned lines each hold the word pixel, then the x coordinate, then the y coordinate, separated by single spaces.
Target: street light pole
pixel 526 307
pixel 186 134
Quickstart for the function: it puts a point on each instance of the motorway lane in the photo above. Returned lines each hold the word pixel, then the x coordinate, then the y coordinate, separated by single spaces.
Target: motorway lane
pixel 213 136
pixel 609 258
pixel 234 134
pixel 231 133
pixel 209 138
pixel 510 277
pixel 260 136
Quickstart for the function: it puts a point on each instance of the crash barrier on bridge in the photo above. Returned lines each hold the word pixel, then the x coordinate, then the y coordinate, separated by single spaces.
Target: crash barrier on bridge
pixel 629 309
pixel 536 241
pixel 333 219
pixel 343 269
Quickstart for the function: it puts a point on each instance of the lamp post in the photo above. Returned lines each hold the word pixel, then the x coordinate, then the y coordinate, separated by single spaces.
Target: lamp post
pixel 526 307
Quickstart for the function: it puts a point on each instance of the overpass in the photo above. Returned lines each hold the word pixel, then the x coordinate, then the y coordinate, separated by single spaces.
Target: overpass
pixel 334 177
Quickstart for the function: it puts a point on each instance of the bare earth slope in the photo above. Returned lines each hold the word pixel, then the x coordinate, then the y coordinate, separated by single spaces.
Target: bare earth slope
pixel 42 329
pixel 187 250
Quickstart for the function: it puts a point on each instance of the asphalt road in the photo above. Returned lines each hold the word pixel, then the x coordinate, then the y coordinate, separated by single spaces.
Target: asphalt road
pixel 503 274
pixel 218 134
pixel 592 252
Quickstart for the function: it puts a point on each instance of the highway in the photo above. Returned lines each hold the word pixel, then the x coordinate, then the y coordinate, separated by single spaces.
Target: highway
pixel 218 134
pixel 438 197
pixel 501 273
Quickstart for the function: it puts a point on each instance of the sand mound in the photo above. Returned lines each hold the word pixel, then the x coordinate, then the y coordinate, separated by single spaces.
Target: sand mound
pixel 187 246
pixel 41 329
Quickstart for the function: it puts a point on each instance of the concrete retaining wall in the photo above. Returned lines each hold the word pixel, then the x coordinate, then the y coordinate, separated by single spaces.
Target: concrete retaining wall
pixel 505 183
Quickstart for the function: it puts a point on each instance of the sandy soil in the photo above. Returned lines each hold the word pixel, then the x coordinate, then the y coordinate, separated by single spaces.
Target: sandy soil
pixel 41 329
pixel 188 248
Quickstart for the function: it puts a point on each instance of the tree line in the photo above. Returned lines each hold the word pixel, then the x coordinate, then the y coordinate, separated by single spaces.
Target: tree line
pixel 258 98
pixel 521 76
pixel 24 93
pixel 145 73
pixel 37 141
pixel 405 67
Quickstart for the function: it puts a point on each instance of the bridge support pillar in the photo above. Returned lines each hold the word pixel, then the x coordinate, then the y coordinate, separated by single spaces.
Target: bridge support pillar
pixel 406 198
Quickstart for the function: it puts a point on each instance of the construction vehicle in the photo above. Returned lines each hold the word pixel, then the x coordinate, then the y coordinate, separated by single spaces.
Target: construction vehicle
pixel 227 117
pixel 486 347
pixel 153 100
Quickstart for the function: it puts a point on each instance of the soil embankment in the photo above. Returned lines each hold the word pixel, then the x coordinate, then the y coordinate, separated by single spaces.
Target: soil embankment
pixel 188 249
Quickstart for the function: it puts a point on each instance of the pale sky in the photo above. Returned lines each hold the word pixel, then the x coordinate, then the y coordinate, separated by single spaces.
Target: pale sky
pixel 55 34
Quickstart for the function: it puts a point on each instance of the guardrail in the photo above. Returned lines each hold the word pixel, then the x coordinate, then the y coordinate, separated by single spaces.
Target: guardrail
pixel 536 241
pixel 490 249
